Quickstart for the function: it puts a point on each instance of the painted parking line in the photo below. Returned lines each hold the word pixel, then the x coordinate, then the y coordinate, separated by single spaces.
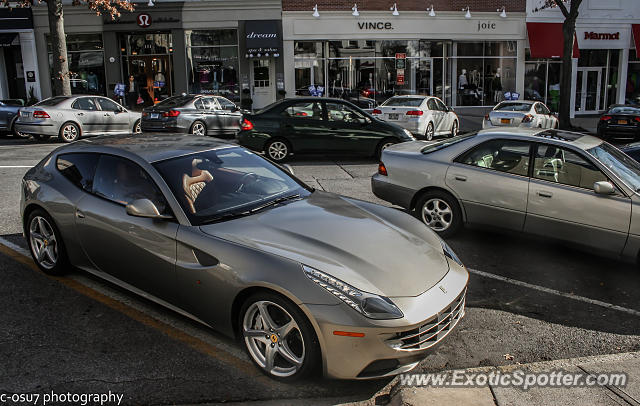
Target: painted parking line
pixel 78 284
pixel 556 292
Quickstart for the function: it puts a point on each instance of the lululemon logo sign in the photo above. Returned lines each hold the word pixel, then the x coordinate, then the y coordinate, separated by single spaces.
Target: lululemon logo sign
pixel 144 20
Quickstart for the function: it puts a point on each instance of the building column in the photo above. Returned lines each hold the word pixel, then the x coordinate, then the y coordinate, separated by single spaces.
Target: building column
pixel 179 64
pixel 4 86
pixel 574 74
pixel 30 63
pixel 290 71
pixel 623 65
pixel 520 67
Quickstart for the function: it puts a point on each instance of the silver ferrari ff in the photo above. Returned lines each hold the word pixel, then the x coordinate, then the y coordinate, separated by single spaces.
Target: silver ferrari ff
pixel 306 280
pixel 72 117
pixel 556 184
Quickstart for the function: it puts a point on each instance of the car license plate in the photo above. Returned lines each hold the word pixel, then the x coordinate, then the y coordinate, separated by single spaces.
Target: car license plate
pixel 505 121
pixel 155 115
pixel 393 116
pixel 24 114
pixel 623 122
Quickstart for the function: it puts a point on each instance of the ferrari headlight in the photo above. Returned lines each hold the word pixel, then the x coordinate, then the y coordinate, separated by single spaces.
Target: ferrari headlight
pixel 449 252
pixel 368 304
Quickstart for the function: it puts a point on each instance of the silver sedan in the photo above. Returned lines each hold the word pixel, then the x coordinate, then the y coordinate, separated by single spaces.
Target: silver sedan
pixel 560 185
pixel 306 280
pixel 520 113
pixel 424 116
pixel 72 117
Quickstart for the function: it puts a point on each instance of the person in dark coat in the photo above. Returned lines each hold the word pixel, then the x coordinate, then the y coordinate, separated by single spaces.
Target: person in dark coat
pixel 132 92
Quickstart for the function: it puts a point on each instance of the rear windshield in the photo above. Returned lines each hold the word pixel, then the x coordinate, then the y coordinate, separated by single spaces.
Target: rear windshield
pixel 438 145
pixel 625 110
pixel 175 101
pixel 513 106
pixel 54 101
pixel 404 101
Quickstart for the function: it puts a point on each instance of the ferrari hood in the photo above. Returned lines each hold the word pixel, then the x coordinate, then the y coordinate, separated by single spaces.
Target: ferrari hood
pixel 375 249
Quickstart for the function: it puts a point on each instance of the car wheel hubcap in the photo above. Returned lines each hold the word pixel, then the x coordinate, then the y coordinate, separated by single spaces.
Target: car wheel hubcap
pixel 429 134
pixel 454 131
pixel 69 132
pixel 273 338
pixel 198 129
pixel 44 244
pixel 137 129
pixel 278 150
pixel 437 214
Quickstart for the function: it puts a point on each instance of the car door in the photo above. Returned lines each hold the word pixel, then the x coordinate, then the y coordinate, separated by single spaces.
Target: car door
pixel 550 119
pixel 562 203
pixel 349 129
pixel 436 115
pixel 446 120
pixel 139 251
pixel 115 119
pixel 4 117
pixel 491 180
pixel 202 106
pixel 303 124
pixel 85 111
pixel 215 116
pixel 540 119
pixel 232 115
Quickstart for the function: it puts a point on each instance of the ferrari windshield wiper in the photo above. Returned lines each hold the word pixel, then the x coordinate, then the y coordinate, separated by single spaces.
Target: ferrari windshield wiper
pixel 227 216
pixel 275 202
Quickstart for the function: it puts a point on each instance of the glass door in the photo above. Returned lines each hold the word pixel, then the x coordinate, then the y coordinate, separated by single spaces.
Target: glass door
pixel 588 85
pixel 263 86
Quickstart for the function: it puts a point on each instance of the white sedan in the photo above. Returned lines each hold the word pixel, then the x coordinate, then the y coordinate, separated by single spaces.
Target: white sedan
pixel 424 116
pixel 520 113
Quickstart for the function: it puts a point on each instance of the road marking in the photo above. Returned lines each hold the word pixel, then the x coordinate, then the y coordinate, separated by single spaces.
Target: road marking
pixel 23 256
pixel 16 166
pixel 556 292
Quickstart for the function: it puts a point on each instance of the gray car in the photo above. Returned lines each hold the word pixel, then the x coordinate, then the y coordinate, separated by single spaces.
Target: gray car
pixel 72 117
pixel 556 184
pixel 304 278
pixel 8 117
pixel 193 114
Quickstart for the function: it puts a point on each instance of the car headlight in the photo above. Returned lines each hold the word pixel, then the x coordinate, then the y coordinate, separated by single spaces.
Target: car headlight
pixel 368 304
pixel 408 134
pixel 449 252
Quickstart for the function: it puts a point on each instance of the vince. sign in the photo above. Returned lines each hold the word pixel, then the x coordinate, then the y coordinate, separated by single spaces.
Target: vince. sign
pixel 375 25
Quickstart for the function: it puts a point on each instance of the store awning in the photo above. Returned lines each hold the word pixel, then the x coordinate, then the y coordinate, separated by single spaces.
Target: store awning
pixel 7 39
pixel 545 40
pixel 636 37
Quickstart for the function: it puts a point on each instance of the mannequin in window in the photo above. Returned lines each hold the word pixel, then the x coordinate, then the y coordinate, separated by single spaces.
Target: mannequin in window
pixel 496 85
pixel 336 86
pixel 462 85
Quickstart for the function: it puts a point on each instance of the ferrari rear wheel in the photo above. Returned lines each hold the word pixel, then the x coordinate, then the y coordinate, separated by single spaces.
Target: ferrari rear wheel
pixel 45 243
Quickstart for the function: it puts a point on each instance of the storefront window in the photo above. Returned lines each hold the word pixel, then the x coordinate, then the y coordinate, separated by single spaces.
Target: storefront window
pixel 633 79
pixel 212 62
pixel 542 80
pixel 147 57
pixel 309 66
pixel 86 63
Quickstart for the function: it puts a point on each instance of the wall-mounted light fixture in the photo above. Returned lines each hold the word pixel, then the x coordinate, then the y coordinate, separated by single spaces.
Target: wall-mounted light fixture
pixel 468 12
pixel 315 11
pixel 432 12
pixel 355 10
pixel 394 9
pixel 503 12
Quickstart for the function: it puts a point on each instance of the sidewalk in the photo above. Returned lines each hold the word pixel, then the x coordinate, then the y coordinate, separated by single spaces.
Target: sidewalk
pixel 490 395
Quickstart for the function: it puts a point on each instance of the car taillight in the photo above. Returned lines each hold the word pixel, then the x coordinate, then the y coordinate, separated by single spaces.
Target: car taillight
pixel 301 113
pixel 376 111
pixel 246 125
pixel 382 170
pixel 415 112
pixel 145 114
pixel 171 113
pixel 637 119
pixel 486 117
pixel 40 114
pixel 527 119
pixel 605 118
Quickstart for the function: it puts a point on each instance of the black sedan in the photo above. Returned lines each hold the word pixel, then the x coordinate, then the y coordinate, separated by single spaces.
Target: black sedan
pixel 8 117
pixel 317 125
pixel 193 114
pixel 621 122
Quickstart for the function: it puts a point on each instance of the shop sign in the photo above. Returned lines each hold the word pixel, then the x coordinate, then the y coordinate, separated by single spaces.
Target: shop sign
pixel 401 60
pixel 375 25
pixel 143 20
pixel 610 36
pixel 262 37
pixel 31 76
pixel 400 77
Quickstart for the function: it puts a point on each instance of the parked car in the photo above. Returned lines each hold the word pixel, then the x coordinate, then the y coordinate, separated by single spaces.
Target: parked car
pixel 236 242
pixel 72 117
pixel 8 117
pixel 425 116
pixel 193 114
pixel 520 113
pixel 556 184
pixel 317 125
pixel 620 122
pixel 633 150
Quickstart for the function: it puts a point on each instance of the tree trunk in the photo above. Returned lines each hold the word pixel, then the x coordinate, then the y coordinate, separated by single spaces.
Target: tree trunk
pixel 568 32
pixel 61 84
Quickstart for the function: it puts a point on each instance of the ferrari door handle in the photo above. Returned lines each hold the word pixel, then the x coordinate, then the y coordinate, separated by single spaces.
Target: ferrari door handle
pixel 542 193
pixel 461 178
pixel 79 114
pixel 79 214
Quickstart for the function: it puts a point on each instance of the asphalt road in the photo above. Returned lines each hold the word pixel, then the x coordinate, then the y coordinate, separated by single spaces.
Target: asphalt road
pixel 529 298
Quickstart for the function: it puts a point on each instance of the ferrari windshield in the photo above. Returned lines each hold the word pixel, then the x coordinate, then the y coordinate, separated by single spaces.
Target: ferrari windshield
pixel 222 184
